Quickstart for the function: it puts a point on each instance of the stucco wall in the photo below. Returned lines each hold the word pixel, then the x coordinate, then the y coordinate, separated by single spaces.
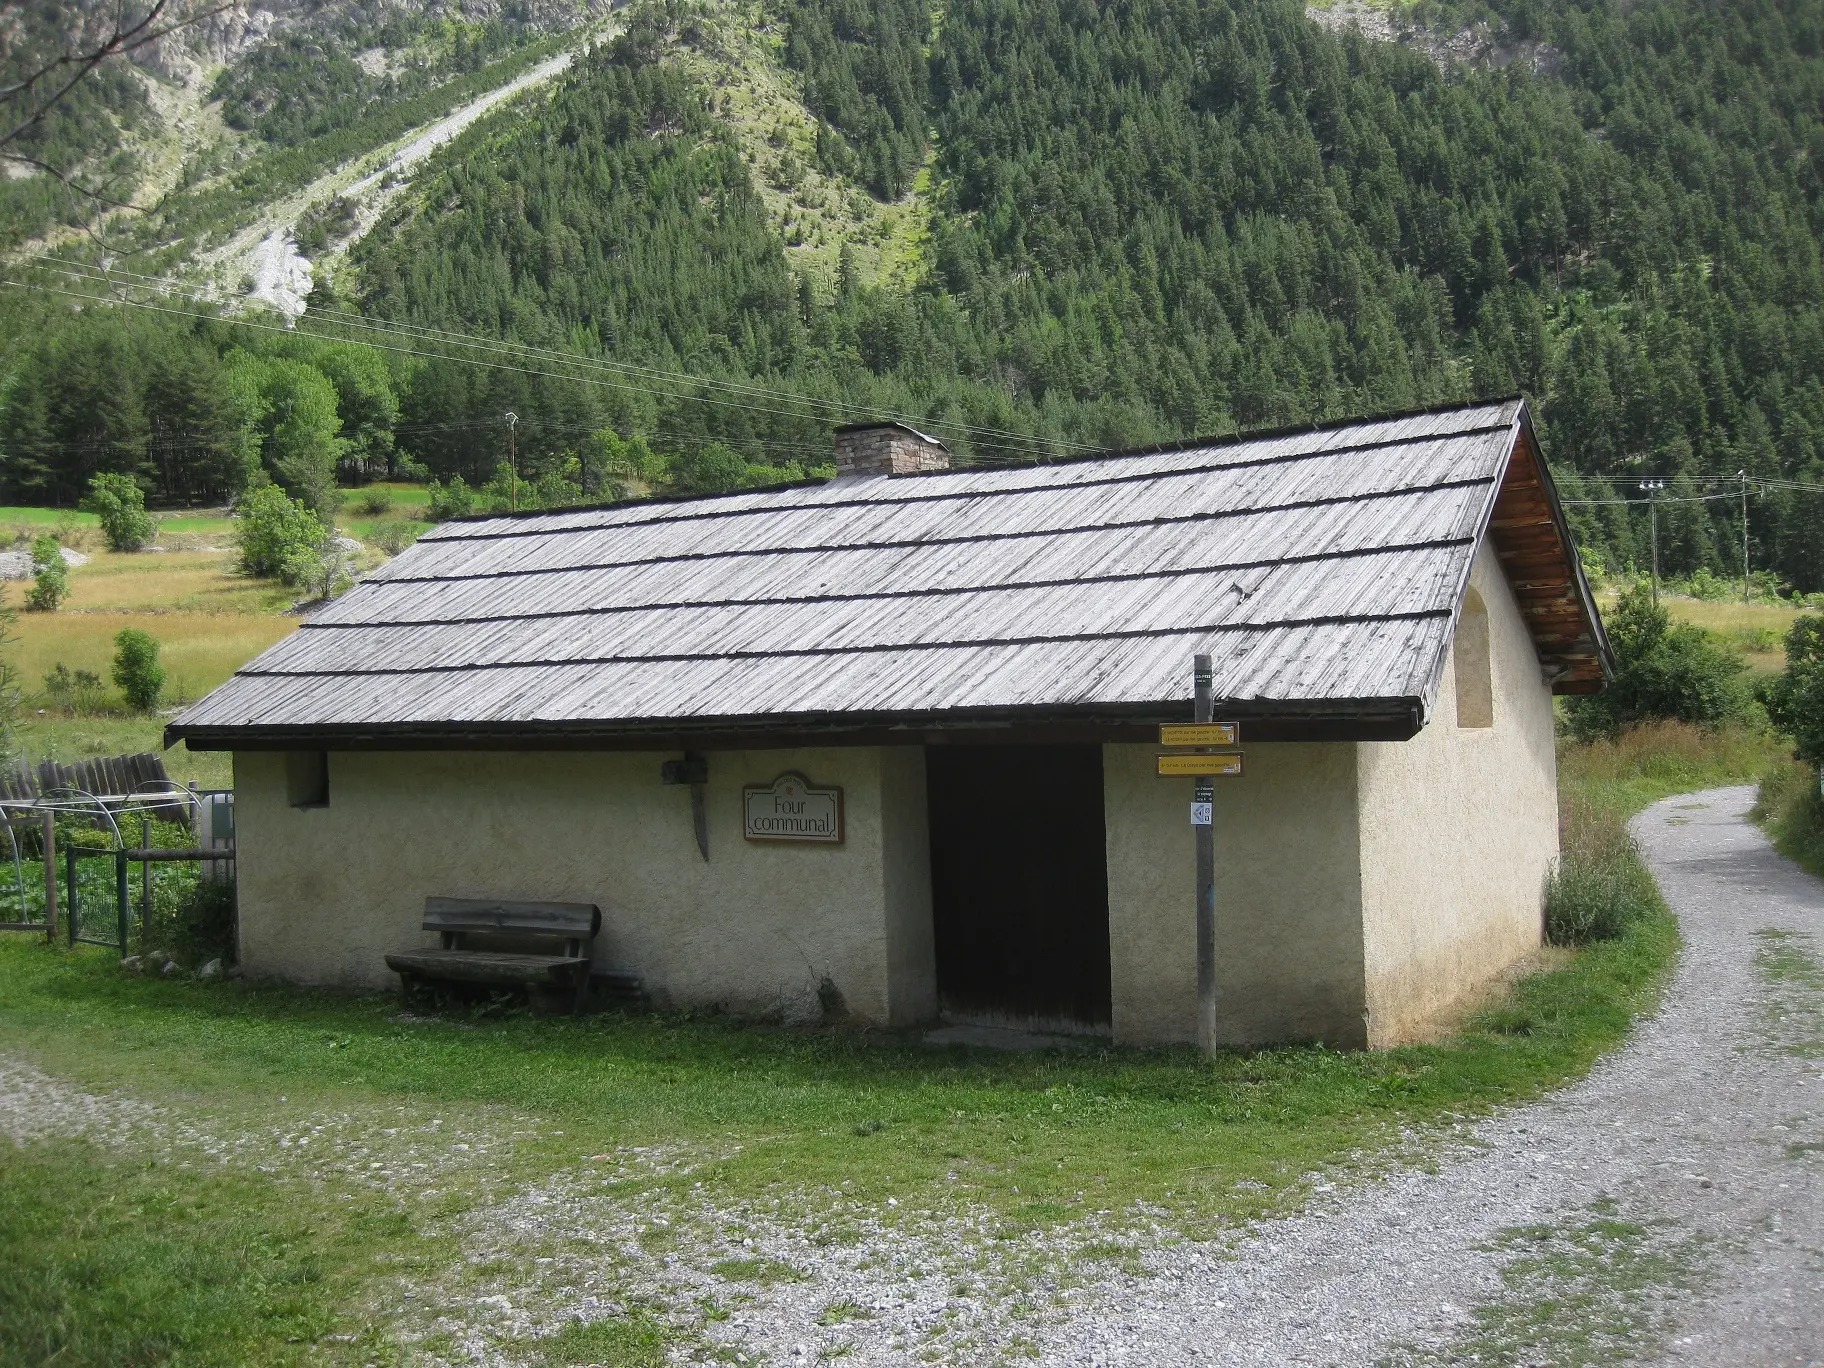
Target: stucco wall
pixel 1459 832
pixel 326 892
pixel 1288 898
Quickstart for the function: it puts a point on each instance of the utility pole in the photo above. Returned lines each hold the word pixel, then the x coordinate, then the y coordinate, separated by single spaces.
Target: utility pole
pixel 512 421
pixel 1652 488
pixel 1742 475
pixel 1205 830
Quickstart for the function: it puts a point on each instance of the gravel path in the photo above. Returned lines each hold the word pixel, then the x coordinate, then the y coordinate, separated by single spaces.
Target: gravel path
pixel 1670 1208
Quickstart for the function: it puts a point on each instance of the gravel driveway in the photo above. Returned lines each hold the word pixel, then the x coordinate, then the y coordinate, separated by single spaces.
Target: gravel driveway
pixel 1669 1209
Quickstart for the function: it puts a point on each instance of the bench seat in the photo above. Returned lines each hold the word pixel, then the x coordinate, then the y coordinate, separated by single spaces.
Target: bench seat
pixel 485 941
pixel 484 966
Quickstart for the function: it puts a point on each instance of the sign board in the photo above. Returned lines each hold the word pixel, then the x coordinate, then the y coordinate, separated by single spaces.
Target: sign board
pixel 1199 734
pixel 1226 766
pixel 791 808
pixel 1201 813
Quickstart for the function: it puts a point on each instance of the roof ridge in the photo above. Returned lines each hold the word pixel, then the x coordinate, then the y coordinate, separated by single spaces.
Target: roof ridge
pixel 1129 477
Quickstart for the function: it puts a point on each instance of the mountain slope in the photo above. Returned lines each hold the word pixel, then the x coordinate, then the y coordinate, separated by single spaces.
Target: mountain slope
pixel 1110 224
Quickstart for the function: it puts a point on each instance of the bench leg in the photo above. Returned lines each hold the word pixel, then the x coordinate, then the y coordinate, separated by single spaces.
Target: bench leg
pixel 582 993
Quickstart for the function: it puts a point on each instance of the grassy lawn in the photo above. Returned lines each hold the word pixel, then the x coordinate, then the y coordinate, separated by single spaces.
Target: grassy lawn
pixel 223 1236
pixel 69 739
pixel 269 1260
pixel 1758 629
pixel 207 619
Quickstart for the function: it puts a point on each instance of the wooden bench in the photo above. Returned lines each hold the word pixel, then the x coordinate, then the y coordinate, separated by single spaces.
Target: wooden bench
pixel 485 941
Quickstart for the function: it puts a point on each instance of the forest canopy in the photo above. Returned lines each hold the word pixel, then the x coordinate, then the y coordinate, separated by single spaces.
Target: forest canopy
pixel 1148 220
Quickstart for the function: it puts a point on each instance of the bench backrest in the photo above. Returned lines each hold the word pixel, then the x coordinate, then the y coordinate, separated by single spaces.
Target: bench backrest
pixel 577 923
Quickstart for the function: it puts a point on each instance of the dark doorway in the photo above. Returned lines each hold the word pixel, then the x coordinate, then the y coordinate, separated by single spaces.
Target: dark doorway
pixel 1019 882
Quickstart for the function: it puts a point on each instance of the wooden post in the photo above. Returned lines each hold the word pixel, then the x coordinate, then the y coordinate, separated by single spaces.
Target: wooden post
pixel 50 877
pixel 1204 806
pixel 1743 474
pixel 145 873
pixel 71 913
pixel 120 900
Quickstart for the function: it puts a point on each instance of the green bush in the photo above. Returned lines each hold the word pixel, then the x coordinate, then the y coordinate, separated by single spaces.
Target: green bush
pixel 77 693
pixel 452 500
pixel 138 674
pixel 376 503
pixel 50 577
pixel 322 570
pixel 193 918
pixel 1791 807
pixel 1795 701
pixel 271 527
pixel 1663 669
pixel 121 505
pixel 394 537
pixel 1601 887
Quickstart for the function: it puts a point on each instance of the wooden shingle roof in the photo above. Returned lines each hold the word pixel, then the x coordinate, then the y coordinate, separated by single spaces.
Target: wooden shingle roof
pixel 1322 569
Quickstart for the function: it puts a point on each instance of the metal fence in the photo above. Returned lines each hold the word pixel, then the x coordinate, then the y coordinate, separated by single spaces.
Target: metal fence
pixel 85 890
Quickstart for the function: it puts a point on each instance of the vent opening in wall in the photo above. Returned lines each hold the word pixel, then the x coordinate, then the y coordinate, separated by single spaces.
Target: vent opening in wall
pixel 1470 664
pixel 307 778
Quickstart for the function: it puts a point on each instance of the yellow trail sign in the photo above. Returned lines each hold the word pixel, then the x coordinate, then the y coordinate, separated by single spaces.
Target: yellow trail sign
pixel 1191 766
pixel 1199 734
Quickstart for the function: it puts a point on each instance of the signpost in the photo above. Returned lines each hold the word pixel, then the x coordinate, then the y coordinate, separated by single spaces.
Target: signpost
pixel 1226 766
pixel 1205 765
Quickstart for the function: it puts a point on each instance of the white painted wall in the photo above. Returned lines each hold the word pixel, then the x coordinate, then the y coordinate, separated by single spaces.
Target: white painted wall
pixel 325 893
pixel 1288 898
pixel 1459 834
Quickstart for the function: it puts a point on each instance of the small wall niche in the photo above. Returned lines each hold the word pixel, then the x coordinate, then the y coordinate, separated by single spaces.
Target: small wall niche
pixel 307 779
pixel 1470 662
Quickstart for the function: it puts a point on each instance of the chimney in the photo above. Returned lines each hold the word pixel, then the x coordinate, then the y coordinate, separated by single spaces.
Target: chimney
pixel 887 449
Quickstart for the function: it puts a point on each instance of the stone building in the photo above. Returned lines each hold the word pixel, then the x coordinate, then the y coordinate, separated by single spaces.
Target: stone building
pixel 924 704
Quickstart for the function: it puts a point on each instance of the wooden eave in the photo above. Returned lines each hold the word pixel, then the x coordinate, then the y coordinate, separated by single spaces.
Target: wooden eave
pixel 1533 541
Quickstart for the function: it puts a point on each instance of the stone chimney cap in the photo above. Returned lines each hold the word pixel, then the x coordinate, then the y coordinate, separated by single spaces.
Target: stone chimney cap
pixel 887 449
pixel 894 426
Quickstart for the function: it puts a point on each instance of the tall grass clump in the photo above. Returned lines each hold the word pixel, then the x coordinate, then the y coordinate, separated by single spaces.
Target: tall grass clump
pixel 1791 808
pixel 1654 760
pixel 1601 889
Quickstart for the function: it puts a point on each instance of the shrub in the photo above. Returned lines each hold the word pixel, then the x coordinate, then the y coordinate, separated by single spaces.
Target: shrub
pixel 76 693
pixel 322 570
pixel 1662 670
pixel 196 920
pixel 452 500
pixel 270 527
pixel 1791 807
pixel 1601 886
pixel 376 503
pixel 137 673
pixel 394 537
pixel 50 577
pixel 1795 701
pixel 121 505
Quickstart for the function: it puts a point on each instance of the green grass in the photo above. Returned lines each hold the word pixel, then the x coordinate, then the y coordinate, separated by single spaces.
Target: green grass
pixel 72 739
pixel 1042 1140
pixel 111 1261
pixel 813 1124
pixel 633 1340
pixel 1792 811
pixel 1659 759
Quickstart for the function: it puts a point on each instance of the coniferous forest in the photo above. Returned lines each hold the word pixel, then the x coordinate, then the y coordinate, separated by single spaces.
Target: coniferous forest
pixel 1146 220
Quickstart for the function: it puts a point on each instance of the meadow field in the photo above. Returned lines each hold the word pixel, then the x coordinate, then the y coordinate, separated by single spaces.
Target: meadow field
pixel 187 590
